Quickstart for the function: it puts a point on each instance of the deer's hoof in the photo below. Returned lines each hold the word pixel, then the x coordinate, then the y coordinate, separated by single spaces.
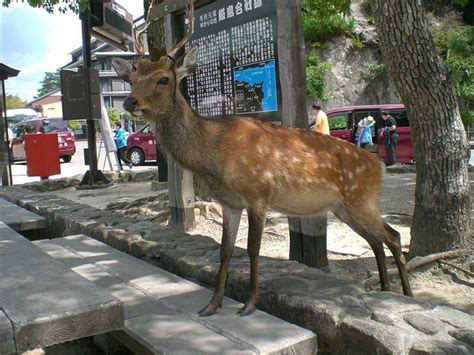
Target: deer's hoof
pixel 207 311
pixel 246 311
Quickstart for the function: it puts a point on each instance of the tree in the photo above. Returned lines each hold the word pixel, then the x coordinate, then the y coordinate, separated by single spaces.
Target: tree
pixel 14 101
pixel 51 5
pixel 50 83
pixel 441 218
pixel 113 114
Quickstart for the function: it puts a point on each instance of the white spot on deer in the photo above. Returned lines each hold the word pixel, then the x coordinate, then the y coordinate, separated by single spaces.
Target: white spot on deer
pixel 353 187
pixel 346 150
pixel 244 160
pixel 349 174
pixel 359 169
pixel 268 175
pixel 276 154
pixel 296 160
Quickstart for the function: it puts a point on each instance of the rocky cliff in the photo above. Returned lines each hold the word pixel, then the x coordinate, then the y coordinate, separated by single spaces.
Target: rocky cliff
pixel 351 80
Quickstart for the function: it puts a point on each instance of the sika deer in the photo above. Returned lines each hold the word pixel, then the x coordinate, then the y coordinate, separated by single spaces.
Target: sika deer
pixel 255 166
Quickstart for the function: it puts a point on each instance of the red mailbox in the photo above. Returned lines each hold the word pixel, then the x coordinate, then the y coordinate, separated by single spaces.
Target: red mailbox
pixel 42 155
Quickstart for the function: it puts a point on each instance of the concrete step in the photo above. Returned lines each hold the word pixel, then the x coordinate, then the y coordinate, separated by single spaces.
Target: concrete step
pixel 20 219
pixel 161 308
pixel 43 303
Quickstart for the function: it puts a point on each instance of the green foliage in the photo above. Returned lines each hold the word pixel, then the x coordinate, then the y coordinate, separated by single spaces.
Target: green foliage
pixel 127 115
pixel 14 101
pixel 467 118
pixel 114 115
pixel 356 43
pixel 455 43
pixel 74 124
pixel 372 72
pixel 50 83
pixel 51 5
pixel 339 122
pixel 316 71
pixel 325 19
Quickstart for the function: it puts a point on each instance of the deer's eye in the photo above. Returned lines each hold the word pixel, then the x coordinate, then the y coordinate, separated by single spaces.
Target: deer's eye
pixel 164 81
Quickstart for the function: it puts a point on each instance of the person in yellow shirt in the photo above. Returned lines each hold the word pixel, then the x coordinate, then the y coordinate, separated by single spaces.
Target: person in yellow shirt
pixel 321 120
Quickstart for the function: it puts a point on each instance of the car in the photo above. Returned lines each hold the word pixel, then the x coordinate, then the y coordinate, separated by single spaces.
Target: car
pixel 141 146
pixel 343 124
pixel 66 139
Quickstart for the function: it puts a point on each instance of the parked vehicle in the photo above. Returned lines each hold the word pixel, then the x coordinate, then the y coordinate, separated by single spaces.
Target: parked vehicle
pixel 343 124
pixel 16 115
pixel 141 146
pixel 66 139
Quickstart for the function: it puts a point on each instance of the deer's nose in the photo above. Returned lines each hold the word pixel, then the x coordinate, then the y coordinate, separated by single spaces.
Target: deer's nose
pixel 130 104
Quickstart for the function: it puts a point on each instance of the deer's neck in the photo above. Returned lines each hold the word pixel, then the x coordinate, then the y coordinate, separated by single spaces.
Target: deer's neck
pixel 183 134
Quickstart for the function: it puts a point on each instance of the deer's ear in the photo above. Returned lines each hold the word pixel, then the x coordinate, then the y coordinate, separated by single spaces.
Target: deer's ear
pixel 189 63
pixel 123 68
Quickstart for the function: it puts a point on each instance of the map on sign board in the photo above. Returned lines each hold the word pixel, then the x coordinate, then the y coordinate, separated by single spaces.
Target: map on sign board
pixel 255 87
pixel 237 65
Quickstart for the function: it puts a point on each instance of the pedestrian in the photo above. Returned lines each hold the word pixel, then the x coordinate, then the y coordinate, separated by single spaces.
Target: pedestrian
pixel 321 124
pixel 10 144
pixel 121 143
pixel 390 137
pixel 365 132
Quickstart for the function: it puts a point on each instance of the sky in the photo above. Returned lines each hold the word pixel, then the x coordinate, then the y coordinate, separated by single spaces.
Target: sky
pixel 35 42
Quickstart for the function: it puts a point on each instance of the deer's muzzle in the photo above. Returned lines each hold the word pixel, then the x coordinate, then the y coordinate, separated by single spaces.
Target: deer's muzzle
pixel 130 104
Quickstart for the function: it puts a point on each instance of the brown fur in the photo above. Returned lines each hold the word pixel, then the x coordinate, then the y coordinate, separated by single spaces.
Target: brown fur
pixel 252 165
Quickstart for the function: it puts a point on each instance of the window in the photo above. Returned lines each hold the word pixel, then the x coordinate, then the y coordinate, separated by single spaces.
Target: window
pixel 118 104
pixel 117 85
pixel 338 121
pixel 104 85
pixel 50 126
pixel 401 118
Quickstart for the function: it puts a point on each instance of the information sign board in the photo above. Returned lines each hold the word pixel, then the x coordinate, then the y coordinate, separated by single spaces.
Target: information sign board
pixel 237 67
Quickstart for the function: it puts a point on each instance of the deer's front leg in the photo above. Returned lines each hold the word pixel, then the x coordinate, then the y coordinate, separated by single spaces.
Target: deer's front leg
pixel 231 221
pixel 256 225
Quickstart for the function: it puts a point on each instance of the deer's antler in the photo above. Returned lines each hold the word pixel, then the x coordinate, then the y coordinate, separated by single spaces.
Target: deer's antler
pixel 190 15
pixel 138 32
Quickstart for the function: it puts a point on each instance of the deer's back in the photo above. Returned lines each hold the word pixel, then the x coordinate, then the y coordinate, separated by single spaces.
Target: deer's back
pixel 294 170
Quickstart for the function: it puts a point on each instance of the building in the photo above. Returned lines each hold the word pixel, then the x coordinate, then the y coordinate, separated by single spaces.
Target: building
pixel 48 106
pixel 114 89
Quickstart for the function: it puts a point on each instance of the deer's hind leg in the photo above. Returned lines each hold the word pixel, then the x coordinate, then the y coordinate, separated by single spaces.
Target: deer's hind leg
pixel 357 222
pixel 231 221
pixel 394 244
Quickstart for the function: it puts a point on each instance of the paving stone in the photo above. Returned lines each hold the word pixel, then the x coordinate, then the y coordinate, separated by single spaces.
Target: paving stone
pixel 424 323
pixel 161 308
pixel 464 335
pixel 45 301
pixel 20 219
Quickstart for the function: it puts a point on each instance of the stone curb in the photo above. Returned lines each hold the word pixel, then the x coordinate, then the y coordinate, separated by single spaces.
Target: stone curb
pixel 346 318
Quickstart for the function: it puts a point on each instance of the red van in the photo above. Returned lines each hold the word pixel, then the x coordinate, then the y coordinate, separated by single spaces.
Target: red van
pixel 66 140
pixel 141 146
pixel 343 124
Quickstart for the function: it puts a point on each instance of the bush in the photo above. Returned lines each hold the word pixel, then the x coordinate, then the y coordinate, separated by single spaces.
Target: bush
pixel 113 114
pixel 316 71
pixel 323 20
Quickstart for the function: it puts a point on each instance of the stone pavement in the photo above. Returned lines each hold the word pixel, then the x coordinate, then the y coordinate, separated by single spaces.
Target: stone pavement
pixel 160 307
pixel 345 317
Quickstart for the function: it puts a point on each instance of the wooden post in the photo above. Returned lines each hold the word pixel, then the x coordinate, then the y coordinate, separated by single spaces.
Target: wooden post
pixel 5 169
pixel 180 180
pixel 307 235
